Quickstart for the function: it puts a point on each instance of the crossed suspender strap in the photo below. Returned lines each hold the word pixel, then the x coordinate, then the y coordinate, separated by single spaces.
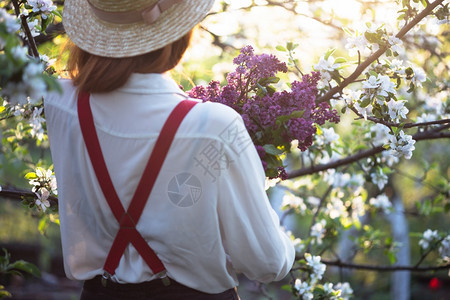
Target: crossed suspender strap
pixel 128 219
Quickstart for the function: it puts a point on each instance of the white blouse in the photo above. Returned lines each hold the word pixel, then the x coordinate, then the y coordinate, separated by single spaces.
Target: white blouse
pixel 208 216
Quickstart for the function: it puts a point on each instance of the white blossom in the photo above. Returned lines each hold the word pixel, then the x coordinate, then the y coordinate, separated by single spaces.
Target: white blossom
pixel 42 199
pixel 36 122
pixel 381 133
pixel 32 69
pixel 44 178
pixel 371 83
pixel 318 232
pixel 357 44
pixel 382 202
pixel 419 76
pixel 436 103
pixel 328 287
pixel 379 85
pixel 358 209
pixel 336 208
pixel 330 135
pixel 34 28
pixel 356 181
pixel 345 290
pixel 317 267
pixel 304 289
pixel 397 109
pixel 444 248
pixel 428 237
pixel 379 178
pixel 270 183
pixel 44 6
pixel 298 245
pixel 386 85
pixel 423 118
pixel 294 202
pixel 389 159
pixel 47 61
pixel 10 21
pixel 325 66
pixel 20 53
pixel 398 66
pixel 395 43
pixel 403 145
pixel 350 96
pixel 364 111
pixel 313 201
pixel 339 179
pixel 373 28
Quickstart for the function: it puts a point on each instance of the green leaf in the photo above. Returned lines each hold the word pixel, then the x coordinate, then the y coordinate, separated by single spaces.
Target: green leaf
pixel 447 207
pixel 329 150
pixel 268 80
pixel 293 115
pixel 391 256
pixel 329 53
pixel 43 224
pixel 26 267
pixel 45 23
pixel 31 175
pixel 271 149
pixel 340 60
pixel 411 88
pixel 4 293
pixel 280 48
pixel 417 235
pixel 291 46
pixel 365 102
pixel 57 13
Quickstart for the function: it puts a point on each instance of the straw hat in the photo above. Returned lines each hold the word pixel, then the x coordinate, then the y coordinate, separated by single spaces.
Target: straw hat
pixel 123 28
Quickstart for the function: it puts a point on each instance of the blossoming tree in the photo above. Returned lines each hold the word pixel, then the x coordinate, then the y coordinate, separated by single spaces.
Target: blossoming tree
pixel 355 146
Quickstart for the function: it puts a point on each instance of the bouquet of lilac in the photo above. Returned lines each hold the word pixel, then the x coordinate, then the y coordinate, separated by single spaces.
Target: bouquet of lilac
pixel 273 118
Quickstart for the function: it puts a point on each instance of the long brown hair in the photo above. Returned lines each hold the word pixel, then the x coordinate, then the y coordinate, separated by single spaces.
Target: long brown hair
pixel 98 74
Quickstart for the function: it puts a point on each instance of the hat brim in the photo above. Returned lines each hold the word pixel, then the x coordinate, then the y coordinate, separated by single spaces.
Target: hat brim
pixel 101 38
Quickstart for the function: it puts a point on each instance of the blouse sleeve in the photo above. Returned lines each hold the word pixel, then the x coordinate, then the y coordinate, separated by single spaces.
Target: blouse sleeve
pixel 251 232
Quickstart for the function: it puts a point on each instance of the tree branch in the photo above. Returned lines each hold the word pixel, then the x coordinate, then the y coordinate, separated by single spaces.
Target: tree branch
pixel 385 268
pixel 420 136
pixel 406 125
pixel 358 71
pixel 26 29
pixel 19 194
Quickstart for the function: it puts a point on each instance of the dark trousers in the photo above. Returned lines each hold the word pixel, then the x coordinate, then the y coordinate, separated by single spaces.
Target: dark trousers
pixel 152 290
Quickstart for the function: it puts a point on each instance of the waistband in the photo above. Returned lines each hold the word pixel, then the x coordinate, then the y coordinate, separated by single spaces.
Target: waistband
pixel 96 283
pixel 155 287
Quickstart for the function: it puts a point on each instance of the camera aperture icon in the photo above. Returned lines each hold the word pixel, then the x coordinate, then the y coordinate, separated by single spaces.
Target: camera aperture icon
pixel 184 190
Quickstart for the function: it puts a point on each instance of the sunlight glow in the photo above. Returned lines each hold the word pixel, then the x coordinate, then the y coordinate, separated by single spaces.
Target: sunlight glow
pixel 349 9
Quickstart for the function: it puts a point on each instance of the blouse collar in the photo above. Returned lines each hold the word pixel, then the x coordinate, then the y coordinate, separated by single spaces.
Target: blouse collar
pixel 150 83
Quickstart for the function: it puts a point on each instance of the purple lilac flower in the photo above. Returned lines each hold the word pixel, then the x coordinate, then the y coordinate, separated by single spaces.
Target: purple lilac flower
pixel 271 117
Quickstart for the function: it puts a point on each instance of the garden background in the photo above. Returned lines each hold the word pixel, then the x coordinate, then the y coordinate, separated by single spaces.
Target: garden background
pixel 359 163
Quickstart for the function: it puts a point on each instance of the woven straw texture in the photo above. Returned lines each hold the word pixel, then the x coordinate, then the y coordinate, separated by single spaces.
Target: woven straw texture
pixel 101 38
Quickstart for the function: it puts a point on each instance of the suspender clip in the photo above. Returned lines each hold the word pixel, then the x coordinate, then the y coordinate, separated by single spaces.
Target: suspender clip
pixel 164 279
pixel 105 277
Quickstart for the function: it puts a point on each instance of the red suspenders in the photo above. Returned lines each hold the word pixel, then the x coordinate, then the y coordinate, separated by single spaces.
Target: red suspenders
pixel 128 219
